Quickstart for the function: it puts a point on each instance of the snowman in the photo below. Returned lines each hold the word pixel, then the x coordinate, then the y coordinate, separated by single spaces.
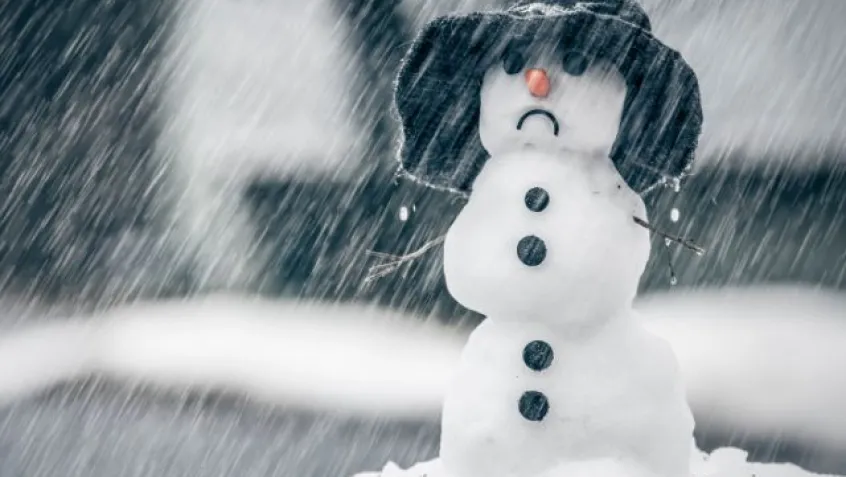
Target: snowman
pixel 551 118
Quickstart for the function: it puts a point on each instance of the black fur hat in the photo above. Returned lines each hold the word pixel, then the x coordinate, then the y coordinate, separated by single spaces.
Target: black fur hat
pixel 437 92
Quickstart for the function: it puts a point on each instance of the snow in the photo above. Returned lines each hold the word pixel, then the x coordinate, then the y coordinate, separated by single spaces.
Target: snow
pixel 708 329
pixel 724 462
pixel 481 266
pixel 586 194
pixel 611 402
pixel 356 360
pixel 591 468
pixel 243 104
pixel 764 360
pixel 613 391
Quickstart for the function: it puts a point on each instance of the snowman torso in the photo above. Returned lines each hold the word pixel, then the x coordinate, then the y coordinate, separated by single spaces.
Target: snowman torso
pixel 615 394
pixel 561 370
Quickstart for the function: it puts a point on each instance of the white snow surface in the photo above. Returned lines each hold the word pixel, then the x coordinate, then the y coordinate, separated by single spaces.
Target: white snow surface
pixel 350 359
pixel 579 279
pixel 613 391
pixel 724 462
pixel 767 360
pixel 586 198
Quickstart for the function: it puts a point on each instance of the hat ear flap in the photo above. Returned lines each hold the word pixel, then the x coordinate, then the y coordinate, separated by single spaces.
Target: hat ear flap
pixel 415 63
pixel 662 119
pixel 441 51
pixel 437 99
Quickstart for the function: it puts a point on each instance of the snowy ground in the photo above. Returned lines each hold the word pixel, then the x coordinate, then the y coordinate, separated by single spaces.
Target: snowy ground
pixel 784 348
pixel 765 362
pixel 725 462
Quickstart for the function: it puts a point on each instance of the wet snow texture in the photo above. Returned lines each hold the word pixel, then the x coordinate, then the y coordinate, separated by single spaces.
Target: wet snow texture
pixel 87 204
pixel 724 462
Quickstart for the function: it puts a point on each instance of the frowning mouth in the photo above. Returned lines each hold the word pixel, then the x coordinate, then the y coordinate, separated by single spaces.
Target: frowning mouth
pixel 542 112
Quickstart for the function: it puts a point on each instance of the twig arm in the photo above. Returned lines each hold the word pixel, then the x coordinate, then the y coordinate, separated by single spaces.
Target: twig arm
pixel 687 243
pixel 378 271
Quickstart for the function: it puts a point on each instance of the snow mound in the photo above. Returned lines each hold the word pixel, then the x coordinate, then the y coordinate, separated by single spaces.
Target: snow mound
pixel 724 462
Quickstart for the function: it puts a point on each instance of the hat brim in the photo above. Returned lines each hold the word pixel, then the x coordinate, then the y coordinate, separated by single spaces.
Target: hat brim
pixel 437 94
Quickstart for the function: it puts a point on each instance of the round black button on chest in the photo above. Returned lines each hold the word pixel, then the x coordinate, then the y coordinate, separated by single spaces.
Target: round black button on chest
pixel 533 405
pixel 537 199
pixel 538 355
pixel 531 250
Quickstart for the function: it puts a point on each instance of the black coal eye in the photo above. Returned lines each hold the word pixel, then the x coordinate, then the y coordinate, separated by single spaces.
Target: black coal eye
pixel 575 63
pixel 513 62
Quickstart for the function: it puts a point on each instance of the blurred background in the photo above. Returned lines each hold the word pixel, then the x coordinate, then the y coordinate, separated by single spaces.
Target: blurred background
pixel 153 149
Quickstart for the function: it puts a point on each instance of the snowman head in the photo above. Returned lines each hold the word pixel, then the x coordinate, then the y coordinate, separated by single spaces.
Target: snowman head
pixel 548 231
pixel 447 137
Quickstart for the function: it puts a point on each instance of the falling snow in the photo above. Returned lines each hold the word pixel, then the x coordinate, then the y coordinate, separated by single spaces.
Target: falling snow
pixel 167 149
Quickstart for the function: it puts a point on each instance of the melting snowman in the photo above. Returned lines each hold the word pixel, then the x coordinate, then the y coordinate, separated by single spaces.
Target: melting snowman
pixel 551 118
pixel 547 250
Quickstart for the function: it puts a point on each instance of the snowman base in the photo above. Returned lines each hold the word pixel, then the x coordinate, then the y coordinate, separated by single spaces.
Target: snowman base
pixel 724 462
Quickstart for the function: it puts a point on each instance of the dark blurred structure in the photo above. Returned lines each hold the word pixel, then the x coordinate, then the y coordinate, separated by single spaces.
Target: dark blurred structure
pixel 79 118
pixel 78 98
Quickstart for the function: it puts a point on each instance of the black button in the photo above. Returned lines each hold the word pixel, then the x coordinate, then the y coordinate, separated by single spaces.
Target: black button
pixel 538 355
pixel 533 405
pixel 537 199
pixel 531 250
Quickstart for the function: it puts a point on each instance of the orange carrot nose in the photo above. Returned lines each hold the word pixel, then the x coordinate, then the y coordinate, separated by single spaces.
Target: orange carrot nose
pixel 538 82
